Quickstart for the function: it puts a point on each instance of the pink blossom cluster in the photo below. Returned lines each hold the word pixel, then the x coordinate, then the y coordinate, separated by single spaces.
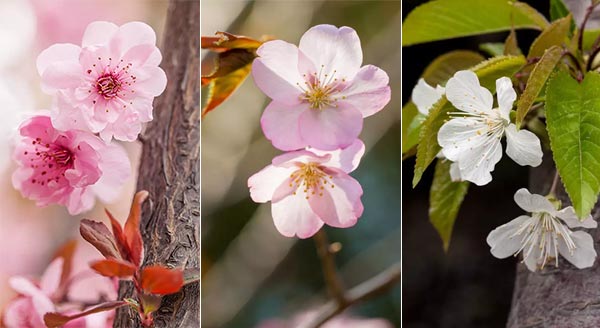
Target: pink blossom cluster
pixel 100 90
pixel 320 94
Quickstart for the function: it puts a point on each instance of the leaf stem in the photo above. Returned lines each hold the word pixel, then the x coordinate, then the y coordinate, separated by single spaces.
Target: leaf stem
pixel 588 13
pixel 333 280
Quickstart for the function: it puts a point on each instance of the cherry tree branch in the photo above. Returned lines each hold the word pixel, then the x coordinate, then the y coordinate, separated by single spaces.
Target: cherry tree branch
pixel 334 283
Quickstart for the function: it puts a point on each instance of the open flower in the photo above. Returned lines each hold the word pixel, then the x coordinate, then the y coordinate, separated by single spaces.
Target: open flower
pixel 472 136
pixel 308 188
pixel 425 96
pixel 68 168
pixel 320 91
pixel 108 84
pixel 544 235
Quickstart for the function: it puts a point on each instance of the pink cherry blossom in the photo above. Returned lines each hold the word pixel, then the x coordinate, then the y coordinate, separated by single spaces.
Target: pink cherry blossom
pixel 308 188
pixel 319 90
pixel 108 84
pixel 68 168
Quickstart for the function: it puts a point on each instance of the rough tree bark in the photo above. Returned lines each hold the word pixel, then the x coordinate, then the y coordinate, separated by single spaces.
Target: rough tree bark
pixel 169 170
pixel 564 297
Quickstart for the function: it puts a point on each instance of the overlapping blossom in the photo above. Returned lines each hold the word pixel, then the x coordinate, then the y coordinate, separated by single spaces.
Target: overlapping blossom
pixel 425 96
pixel 319 91
pixel 69 168
pixel 545 234
pixel 309 188
pixel 108 84
pixel 472 137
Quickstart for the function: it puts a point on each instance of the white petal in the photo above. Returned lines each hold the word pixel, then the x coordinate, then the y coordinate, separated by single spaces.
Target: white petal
pixel 503 241
pixel 455 172
pixel 264 183
pixel 506 96
pixel 533 202
pixel 465 93
pixel 584 254
pixel 478 162
pixel 523 146
pixel 293 216
pixel 424 96
pixel 568 215
pixel 533 260
pixel 459 135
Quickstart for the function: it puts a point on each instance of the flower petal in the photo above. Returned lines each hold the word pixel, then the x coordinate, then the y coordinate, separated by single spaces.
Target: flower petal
pixel 584 255
pixel 51 278
pixel 425 96
pixel 276 71
pixel 503 241
pixel 476 165
pixel 130 35
pixel 333 49
pixel 568 215
pixel 331 128
pixel 369 91
pixel 291 159
pixel 57 53
pixel 460 135
pixel 98 33
pixel 455 172
pixel 281 125
pixel 61 75
pixel 293 216
pixel 339 205
pixel 346 159
pixel 465 93
pixel 532 261
pixel 265 182
pixel 506 96
pixel 533 203
pixel 523 146
pixel 116 167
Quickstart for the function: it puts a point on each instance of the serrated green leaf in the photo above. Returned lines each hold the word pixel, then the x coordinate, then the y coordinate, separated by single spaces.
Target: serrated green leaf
pixel 573 120
pixel 488 72
pixel 555 35
pixel 411 126
pixel 445 198
pixel 536 81
pixel 447 19
pixel 492 48
pixel 558 10
pixel 444 66
pixel 511 46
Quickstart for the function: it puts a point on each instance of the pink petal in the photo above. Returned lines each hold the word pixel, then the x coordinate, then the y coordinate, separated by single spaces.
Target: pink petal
pixel 369 91
pixel 61 75
pixel 280 124
pixel 331 128
pixel 276 71
pixel 293 216
pixel 23 286
pixel 264 183
pixel 346 159
pixel 340 204
pixel 153 83
pixel 143 55
pixel 65 116
pixel 115 165
pixel 98 33
pixel 79 200
pixel 127 128
pixel 57 53
pixel 335 49
pixel 51 278
pixel 130 35
pixel 290 159
pixel 21 313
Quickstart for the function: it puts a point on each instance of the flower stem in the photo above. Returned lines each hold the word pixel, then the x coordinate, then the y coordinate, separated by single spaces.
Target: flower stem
pixel 554 184
pixel 588 13
pixel 330 273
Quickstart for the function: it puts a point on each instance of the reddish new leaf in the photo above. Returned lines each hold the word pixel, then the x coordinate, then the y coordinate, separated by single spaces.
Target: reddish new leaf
pixel 119 236
pixel 221 88
pixel 132 228
pixel 99 236
pixel 66 252
pixel 159 280
pixel 113 268
pixel 223 41
pixel 53 319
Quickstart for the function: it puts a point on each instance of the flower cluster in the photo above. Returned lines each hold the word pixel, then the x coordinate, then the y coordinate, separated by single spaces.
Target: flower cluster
pixel 100 90
pixel 320 95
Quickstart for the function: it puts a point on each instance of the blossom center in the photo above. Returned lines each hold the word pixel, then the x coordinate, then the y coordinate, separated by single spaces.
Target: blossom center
pixel 319 89
pixel 108 85
pixel 312 178
pixel 49 162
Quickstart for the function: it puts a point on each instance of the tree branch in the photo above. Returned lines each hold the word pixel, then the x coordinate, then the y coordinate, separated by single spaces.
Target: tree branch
pixel 333 281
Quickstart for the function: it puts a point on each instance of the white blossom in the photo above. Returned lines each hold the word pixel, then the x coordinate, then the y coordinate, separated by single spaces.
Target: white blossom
pixel 425 96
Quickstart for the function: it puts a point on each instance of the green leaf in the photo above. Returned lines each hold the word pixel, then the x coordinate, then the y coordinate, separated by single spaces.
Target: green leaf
pixel 573 120
pixel 558 10
pixel 447 19
pixel 555 35
pixel 492 48
pixel 511 46
pixel 445 198
pixel 411 126
pixel 537 80
pixel 488 72
pixel 443 67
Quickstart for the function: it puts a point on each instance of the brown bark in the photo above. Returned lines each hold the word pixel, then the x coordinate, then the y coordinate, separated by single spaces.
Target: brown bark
pixel 553 298
pixel 169 170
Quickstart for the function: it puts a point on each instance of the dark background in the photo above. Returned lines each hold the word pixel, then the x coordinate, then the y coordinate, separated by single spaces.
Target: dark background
pixel 467 287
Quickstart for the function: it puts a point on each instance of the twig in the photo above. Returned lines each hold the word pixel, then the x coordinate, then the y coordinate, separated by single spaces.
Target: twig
pixel 364 291
pixel 588 13
pixel 332 277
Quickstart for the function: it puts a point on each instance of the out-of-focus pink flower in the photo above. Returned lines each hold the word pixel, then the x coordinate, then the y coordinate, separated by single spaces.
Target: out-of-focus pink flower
pixel 108 84
pixel 320 91
pixel 341 321
pixel 308 188
pixel 68 168
pixel 34 300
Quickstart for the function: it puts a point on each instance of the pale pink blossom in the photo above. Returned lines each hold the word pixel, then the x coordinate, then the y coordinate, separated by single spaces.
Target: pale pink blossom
pixel 69 168
pixel 108 84
pixel 319 90
pixel 308 188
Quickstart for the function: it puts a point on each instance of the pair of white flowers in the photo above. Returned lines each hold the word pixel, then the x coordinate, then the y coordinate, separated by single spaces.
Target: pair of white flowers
pixel 471 139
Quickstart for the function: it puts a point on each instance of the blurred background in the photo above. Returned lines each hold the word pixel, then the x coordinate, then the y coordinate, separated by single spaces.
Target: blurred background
pixel 30 236
pixel 466 287
pixel 251 275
